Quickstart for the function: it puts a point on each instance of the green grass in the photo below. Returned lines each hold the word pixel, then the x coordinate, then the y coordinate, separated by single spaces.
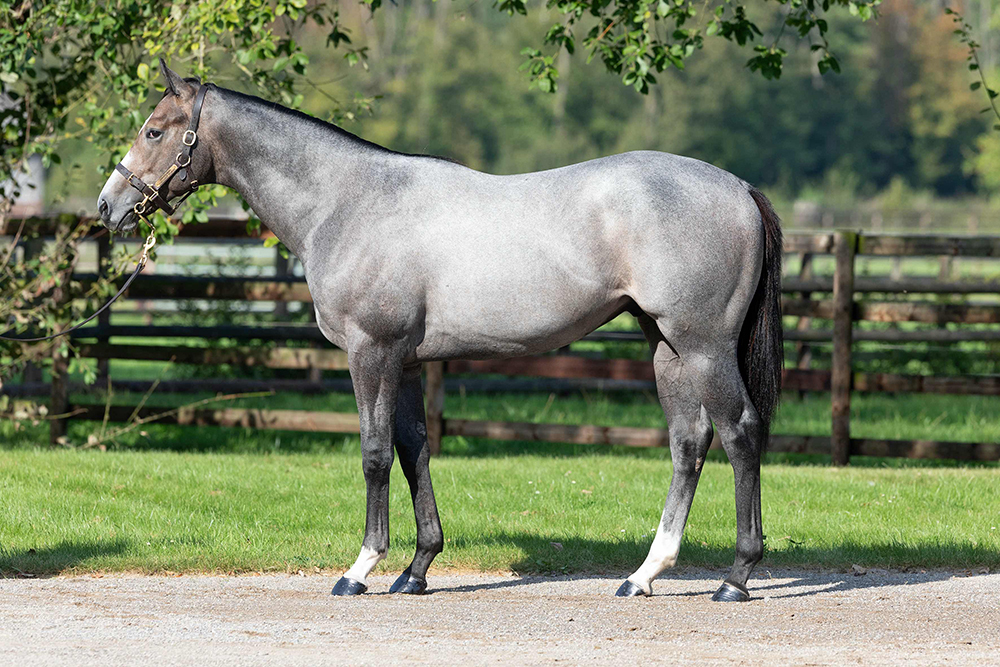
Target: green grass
pixel 214 499
pixel 166 511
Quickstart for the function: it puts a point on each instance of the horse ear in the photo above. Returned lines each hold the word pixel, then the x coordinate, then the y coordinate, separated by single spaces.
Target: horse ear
pixel 175 84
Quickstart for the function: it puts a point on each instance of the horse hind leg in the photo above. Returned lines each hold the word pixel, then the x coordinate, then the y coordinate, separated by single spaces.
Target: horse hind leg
pixel 690 436
pixel 743 434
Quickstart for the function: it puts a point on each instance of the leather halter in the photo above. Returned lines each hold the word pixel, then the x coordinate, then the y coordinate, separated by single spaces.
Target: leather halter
pixel 156 194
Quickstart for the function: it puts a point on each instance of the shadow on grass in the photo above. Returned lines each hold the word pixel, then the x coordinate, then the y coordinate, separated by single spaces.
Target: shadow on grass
pixel 54 560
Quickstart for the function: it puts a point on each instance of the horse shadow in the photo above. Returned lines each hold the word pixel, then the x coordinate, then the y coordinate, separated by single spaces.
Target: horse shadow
pixel 779 575
pixel 59 558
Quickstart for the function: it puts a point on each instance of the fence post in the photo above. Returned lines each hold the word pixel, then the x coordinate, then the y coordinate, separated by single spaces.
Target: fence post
pixel 435 405
pixel 803 350
pixel 59 397
pixel 845 245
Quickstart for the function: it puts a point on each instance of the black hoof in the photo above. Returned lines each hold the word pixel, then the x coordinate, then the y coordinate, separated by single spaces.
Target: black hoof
pixel 408 584
pixel 730 592
pixel 349 587
pixel 630 590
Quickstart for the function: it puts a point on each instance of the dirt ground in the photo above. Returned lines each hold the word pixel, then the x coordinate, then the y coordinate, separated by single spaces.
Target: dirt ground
pixel 796 617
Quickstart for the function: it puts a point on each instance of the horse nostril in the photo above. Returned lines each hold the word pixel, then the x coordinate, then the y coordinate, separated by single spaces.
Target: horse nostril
pixel 103 208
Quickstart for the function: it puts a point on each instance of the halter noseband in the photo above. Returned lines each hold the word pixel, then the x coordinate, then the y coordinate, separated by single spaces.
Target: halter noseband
pixel 155 193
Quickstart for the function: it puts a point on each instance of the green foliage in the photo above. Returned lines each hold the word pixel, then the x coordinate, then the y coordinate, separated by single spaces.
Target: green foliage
pixel 638 38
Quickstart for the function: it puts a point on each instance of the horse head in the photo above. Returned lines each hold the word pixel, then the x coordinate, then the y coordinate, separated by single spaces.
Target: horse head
pixel 163 162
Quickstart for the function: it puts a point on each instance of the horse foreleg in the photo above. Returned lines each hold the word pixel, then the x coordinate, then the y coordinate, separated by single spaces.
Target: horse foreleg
pixel 375 371
pixel 414 459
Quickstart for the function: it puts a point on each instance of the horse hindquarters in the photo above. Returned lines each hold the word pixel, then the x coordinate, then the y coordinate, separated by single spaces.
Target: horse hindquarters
pixel 735 383
pixel 745 423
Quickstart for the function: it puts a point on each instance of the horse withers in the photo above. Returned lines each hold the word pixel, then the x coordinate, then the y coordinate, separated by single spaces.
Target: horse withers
pixel 412 258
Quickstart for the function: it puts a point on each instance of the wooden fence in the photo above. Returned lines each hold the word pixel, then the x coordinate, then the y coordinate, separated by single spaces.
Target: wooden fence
pixel 834 298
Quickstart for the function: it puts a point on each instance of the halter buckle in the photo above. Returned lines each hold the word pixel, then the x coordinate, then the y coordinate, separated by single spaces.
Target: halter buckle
pixel 181 163
pixel 140 207
pixel 193 135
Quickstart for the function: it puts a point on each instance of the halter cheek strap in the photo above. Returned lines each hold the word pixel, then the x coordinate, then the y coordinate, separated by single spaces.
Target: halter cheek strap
pixel 156 194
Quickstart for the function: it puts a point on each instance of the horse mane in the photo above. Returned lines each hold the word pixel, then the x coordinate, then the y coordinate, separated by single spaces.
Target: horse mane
pixel 322 125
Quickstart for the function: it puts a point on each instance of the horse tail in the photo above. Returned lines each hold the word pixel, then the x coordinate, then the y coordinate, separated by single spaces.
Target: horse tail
pixel 761 352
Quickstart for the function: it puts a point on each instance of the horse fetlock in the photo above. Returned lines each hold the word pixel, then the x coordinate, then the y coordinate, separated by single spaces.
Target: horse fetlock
pixel 749 551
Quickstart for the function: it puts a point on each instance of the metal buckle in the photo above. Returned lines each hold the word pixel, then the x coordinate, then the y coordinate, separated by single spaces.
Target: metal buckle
pixel 194 137
pixel 146 247
pixel 140 207
pixel 140 186
pixel 180 163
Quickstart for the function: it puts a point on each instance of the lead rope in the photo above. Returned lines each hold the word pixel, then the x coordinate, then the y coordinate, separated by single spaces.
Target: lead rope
pixel 140 265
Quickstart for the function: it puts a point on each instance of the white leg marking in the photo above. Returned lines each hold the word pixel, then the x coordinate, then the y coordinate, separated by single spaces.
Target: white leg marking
pixel 363 566
pixel 662 554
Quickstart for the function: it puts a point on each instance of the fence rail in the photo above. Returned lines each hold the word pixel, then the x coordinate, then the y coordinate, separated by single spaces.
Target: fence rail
pixel 885 300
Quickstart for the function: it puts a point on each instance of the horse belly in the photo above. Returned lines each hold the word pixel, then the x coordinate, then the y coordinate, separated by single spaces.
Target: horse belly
pixel 520 313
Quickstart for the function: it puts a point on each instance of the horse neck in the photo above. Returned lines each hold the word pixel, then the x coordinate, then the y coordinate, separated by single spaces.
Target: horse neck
pixel 294 173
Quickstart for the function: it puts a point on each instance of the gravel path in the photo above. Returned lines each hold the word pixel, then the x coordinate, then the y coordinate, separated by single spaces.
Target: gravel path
pixel 796 618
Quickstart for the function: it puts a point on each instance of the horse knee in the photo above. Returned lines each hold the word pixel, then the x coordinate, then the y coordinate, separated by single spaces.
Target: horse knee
pixel 376 462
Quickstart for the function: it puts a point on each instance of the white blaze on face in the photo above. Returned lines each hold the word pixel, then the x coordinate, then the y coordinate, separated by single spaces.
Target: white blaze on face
pixel 127 160
pixel 116 182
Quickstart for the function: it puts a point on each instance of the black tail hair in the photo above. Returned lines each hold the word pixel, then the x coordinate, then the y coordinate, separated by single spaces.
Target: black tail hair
pixel 761 347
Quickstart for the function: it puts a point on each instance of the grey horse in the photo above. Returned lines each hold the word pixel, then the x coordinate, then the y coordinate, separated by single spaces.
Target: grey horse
pixel 412 258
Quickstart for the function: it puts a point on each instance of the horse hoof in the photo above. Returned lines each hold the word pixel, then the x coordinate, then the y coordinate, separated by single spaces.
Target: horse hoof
pixel 630 590
pixel 729 592
pixel 408 584
pixel 349 587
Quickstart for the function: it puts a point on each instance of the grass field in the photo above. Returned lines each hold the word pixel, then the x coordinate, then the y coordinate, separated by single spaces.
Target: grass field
pixel 208 499
pixel 164 511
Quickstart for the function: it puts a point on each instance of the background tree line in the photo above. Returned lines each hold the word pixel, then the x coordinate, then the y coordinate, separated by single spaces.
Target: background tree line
pixel 445 78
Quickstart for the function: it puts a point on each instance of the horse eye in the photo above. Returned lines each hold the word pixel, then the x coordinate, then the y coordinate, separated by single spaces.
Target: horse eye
pixel 153 134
